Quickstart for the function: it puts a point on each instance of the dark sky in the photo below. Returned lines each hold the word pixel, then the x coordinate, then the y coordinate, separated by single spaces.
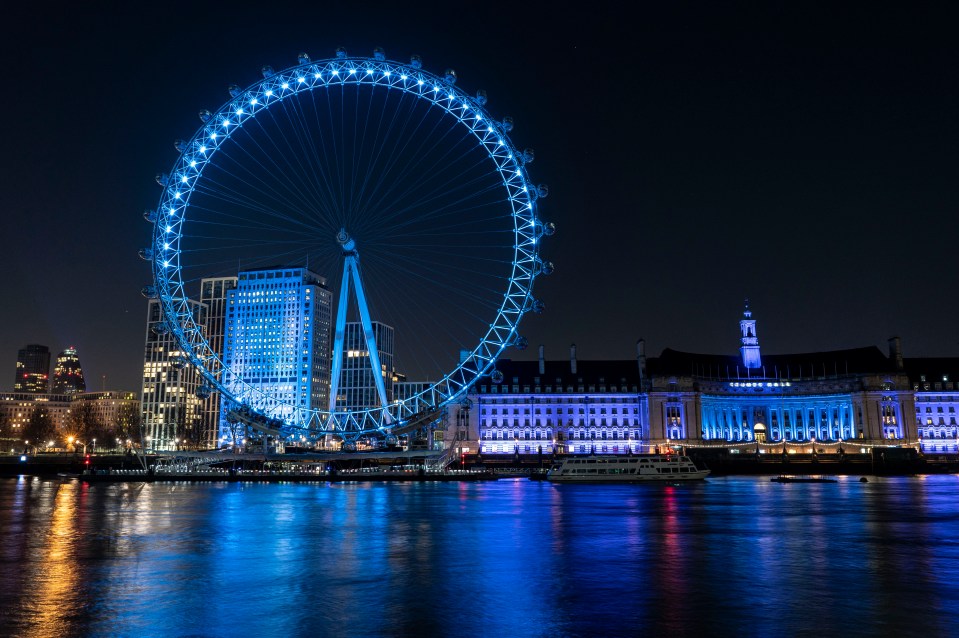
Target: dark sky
pixel 799 154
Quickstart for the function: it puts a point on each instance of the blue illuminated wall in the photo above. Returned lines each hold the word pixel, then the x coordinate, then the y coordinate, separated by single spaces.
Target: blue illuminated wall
pixel 600 424
pixel 575 407
pixel 857 394
pixel 277 339
pixel 936 419
pixel 750 341
pixel 778 418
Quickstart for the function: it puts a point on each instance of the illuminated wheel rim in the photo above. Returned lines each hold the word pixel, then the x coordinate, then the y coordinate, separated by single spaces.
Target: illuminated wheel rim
pixel 199 155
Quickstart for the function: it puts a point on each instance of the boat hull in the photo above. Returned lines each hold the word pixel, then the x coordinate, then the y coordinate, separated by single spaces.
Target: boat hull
pixel 653 468
pixel 639 478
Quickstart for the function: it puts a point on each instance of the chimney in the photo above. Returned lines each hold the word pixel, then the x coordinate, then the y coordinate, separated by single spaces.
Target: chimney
pixel 542 359
pixel 641 360
pixel 895 352
pixel 572 358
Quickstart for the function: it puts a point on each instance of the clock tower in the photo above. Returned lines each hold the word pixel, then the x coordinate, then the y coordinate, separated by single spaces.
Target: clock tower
pixel 750 347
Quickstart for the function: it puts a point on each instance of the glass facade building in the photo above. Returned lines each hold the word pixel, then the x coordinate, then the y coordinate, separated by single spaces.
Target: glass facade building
pixel 213 294
pixel 33 369
pixel 277 342
pixel 67 373
pixel 171 411
pixel 357 388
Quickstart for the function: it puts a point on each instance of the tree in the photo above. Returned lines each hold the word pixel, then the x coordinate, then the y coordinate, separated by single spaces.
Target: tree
pixel 127 424
pixel 189 426
pixel 84 424
pixel 236 428
pixel 39 427
pixel 8 433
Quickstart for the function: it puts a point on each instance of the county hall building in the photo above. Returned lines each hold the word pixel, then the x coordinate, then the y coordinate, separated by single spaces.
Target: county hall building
pixel 857 398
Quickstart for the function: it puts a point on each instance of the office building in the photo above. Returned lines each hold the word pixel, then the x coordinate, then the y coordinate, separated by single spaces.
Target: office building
pixel 213 294
pixel 33 369
pixel 357 387
pixel 67 373
pixel 277 344
pixel 17 408
pixel 116 411
pixel 172 413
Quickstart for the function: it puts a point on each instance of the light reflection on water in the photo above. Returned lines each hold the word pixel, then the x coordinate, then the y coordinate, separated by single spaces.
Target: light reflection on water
pixel 732 556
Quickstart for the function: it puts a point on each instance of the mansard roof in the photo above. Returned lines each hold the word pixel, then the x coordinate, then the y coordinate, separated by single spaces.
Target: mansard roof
pixel 625 372
pixel 612 372
pixel 865 360
pixel 932 368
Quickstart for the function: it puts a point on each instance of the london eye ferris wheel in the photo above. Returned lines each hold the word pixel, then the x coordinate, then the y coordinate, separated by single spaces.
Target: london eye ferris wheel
pixel 343 162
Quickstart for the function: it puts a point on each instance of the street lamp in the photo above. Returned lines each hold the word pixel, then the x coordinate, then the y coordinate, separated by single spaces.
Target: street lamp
pixel 94 446
pixel 70 440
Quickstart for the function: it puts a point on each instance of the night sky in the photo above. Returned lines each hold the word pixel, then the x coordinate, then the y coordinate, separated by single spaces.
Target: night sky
pixel 799 154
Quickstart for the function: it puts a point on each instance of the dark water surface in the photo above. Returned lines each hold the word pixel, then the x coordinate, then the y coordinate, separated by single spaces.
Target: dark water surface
pixel 731 556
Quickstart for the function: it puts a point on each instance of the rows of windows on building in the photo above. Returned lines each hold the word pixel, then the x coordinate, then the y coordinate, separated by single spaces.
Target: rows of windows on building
pixel 33 371
pixel 271 329
pixel 271 333
pixel 48 404
pixel 854 397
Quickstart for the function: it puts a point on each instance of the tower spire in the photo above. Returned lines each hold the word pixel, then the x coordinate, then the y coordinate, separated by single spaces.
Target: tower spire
pixel 750 342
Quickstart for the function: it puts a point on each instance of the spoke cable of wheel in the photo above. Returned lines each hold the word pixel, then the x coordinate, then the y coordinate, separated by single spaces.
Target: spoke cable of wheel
pixel 426 181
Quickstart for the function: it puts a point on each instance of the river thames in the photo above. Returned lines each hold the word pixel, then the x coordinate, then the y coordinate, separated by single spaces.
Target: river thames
pixel 731 556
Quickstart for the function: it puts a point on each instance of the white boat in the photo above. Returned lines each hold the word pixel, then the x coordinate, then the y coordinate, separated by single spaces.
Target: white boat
pixel 625 469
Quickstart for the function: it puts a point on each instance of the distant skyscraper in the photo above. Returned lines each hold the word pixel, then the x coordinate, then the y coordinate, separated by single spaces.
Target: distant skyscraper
pixel 172 413
pixel 357 390
pixel 277 341
pixel 67 373
pixel 33 369
pixel 213 293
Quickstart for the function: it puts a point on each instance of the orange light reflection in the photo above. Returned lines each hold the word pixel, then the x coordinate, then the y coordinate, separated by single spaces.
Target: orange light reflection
pixel 57 578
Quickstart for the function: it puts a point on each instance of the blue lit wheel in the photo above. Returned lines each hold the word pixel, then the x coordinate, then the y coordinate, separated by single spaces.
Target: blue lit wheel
pixel 426 182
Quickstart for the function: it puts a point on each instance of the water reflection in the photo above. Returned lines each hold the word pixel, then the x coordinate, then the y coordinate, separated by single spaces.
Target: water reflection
pixel 42 569
pixel 511 558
